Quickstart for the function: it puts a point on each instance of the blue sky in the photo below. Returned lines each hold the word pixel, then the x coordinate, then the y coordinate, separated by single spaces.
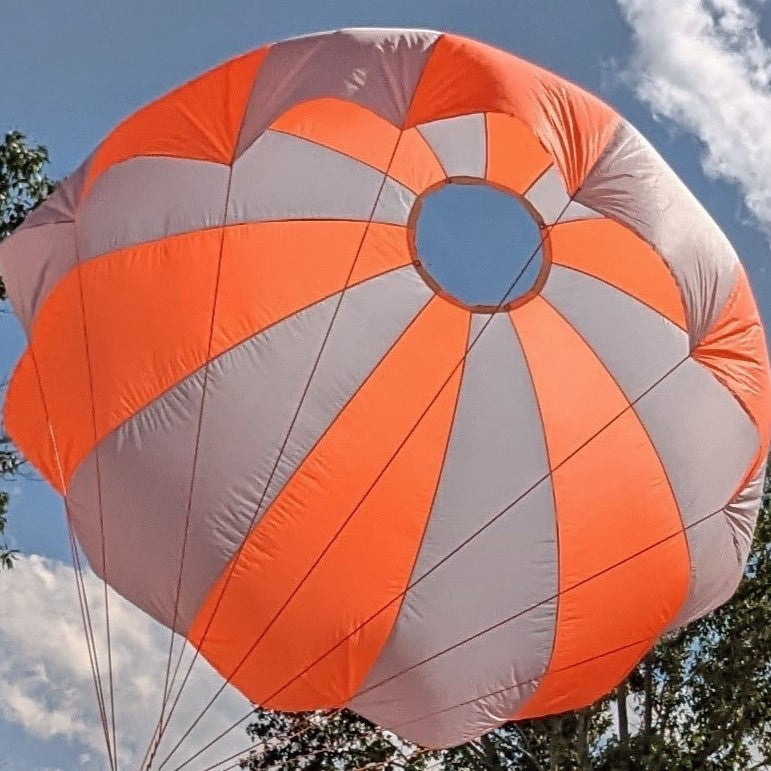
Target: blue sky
pixel 693 76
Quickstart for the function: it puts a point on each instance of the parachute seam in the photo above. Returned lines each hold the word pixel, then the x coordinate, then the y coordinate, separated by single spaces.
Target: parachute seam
pixel 241 341
pixel 40 308
pixel 743 407
pixel 758 462
pixel 433 151
pixel 30 228
pixel 538 178
pixel 430 149
pixel 485 116
pixel 555 510
pixel 342 153
pixel 520 683
pixel 227 226
pixel 746 480
pixel 76 195
pixel 419 548
pixel 89 181
pixel 728 307
pixel 638 417
pixel 307 56
pixel 618 288
pixel 610 152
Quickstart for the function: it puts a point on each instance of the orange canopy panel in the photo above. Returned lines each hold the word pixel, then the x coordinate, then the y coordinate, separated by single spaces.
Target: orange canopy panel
pixel 280 437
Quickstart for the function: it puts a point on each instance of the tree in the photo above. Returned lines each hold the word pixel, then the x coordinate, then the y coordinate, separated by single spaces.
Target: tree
pixel 317 741
pixel 332 741
pixel 699 700
pixel 23 185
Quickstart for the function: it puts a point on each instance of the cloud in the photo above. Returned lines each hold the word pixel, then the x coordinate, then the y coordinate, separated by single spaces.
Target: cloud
pixel 704 66
pixel 47 684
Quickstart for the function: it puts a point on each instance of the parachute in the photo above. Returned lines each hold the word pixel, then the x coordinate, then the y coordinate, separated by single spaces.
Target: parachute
pixel 279 436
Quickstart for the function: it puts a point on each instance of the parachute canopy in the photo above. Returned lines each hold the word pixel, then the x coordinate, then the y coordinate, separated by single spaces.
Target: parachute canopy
pixel 278 434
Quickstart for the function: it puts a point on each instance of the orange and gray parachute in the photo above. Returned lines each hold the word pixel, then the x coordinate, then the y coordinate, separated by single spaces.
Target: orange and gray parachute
pixel 345 485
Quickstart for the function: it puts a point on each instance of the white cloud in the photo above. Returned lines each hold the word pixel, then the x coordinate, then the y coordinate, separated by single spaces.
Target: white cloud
pixel 704 65
pixel 47 687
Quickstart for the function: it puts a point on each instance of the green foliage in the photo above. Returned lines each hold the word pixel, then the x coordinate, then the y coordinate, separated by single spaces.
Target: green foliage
pixel 23 185
pixel 698 701
pixel 316 741
pixel 10 463
pixel 6 555
pixel 322 741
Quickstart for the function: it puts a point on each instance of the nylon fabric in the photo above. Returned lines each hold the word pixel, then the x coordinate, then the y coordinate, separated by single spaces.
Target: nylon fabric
pixel 444 516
